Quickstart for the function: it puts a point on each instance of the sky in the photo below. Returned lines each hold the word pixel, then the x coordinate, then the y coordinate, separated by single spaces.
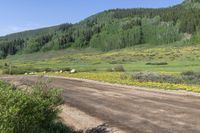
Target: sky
pixel 20 15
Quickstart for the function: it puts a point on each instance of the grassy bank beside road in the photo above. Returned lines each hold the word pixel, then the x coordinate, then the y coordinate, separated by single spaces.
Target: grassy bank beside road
pixel 128 79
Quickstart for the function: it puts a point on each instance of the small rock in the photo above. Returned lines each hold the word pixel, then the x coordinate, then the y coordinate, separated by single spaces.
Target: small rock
pixel 73 71
pixel 31 73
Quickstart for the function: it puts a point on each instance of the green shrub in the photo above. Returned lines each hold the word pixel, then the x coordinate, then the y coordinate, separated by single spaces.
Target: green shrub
pixel 48 70
pixel 157 63
pixel 188 73
pixel 66 69
pixel 33 111
pixel 196 38
pixel 191 77
pixel 188 77
pixel 20 70
pixel 109 70
pixel 156 77
pixel 118 68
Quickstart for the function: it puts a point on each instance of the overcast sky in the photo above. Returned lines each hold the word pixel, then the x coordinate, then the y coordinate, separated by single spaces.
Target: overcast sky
pixel 20 15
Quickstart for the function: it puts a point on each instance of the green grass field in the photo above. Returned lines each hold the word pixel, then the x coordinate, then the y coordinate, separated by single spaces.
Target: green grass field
pixel 96 65
pixel 177 59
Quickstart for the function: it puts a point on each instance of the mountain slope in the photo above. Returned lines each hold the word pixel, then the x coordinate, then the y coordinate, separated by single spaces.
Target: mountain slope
pixel 192 3
pixel 113 29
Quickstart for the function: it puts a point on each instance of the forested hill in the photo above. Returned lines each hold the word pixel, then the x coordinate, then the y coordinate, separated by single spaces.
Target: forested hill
pixel 113 29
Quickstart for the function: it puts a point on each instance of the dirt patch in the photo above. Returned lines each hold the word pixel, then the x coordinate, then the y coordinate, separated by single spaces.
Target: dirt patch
pixel 79 120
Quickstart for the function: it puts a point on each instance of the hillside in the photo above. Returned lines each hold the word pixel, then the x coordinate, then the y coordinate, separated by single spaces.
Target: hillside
pixel 112 29
pixel 156 48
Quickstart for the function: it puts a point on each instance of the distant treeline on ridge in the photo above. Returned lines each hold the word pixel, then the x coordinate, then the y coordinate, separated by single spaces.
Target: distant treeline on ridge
pixel 112 29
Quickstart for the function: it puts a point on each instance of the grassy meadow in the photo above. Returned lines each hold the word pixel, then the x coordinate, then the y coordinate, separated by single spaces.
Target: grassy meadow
pixel 175 59
pixel 96 65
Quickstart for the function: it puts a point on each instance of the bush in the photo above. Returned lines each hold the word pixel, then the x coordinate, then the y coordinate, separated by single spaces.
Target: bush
pixel 109 70
pixel 191 77
pixel 156 77
pixel 188 77
pixel 20 70
pixel 188 73
pixel 157 63
pixel 66 69
pixel 33 111
pixel 48 70
pixel 118 68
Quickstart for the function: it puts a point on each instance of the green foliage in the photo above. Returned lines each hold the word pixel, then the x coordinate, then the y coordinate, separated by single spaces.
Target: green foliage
pixel 157 32
pixel 30 111
pixel 191 77
pixel 179 58
pixel 156 77
pixel 113 29
pixel 118 68
pixel 20 70
pixel 36 44
pixel 188 77
pixel 117 35
pixel 10 47
pixel 192 3
pixel 13 70
pixel 157 63
pixel 196 38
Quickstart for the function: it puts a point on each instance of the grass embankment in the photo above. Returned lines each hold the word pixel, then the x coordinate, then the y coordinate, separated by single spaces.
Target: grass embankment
pixel 126 79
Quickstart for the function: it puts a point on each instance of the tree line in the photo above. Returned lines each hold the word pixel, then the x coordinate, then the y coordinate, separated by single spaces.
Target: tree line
pixel 112 29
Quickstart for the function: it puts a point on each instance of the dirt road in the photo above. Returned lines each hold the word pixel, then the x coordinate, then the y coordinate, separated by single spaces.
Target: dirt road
pixel 131 109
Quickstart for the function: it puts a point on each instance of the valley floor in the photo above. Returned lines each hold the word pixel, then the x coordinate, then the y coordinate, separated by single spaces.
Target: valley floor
pixel 164 66
pixel 142 58
pixel 130 109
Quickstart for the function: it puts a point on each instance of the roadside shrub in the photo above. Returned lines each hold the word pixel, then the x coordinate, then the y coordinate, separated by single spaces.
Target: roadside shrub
pixel 20 70
pixel 188 77
pixel 191 77
pixel 189 73
pixel 156 77
pixel 33 111
pixel 53 69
